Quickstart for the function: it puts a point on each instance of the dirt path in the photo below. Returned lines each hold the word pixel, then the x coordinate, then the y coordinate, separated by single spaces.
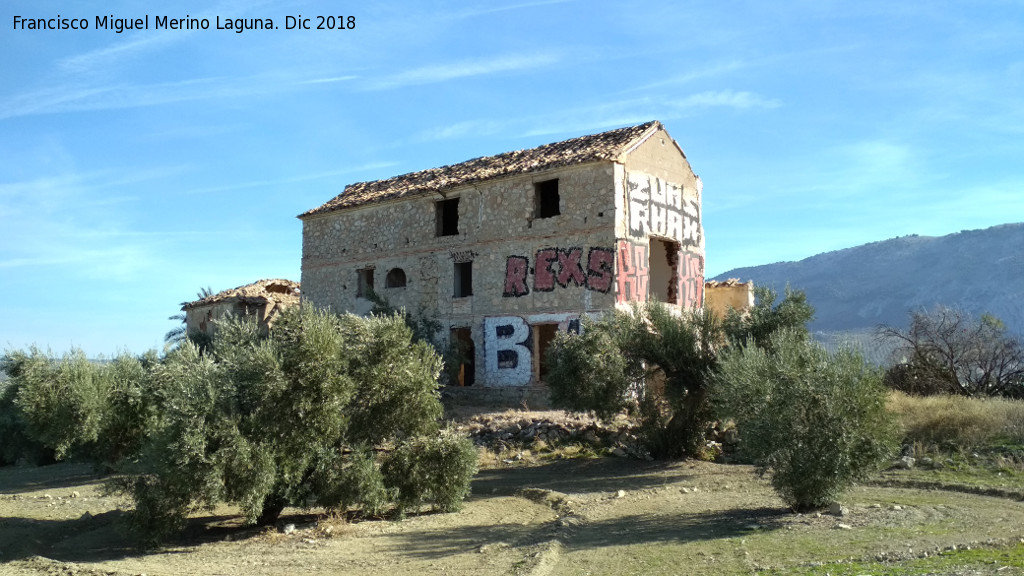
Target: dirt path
pixel 603 516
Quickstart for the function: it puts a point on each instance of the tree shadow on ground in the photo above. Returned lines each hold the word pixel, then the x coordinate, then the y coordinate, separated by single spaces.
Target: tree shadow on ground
pixel 107 536
pixel 437 543
pixel 21 479
pixel 582 476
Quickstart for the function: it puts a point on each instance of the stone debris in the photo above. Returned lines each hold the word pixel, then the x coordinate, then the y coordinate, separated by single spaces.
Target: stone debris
pixel 837 509
pixel 513 430
pixel 905 463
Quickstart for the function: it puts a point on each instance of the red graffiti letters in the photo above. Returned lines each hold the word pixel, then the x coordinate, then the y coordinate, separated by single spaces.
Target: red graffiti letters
pixel 633 272
pixel 516 269
pixel 600 269
pixel 569 268
pixel 543 276
pixel 561 267
pixel 691 279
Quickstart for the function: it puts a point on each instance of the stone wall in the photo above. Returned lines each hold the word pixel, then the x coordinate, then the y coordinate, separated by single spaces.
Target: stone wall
pixel 532 276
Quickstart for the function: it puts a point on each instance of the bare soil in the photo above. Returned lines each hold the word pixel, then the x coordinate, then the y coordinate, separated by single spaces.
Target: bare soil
pixel 581 516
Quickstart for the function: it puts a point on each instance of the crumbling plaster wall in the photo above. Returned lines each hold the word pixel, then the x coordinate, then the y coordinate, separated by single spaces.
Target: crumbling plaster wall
pixel 202 318
pixel 659 196
pixel 526 270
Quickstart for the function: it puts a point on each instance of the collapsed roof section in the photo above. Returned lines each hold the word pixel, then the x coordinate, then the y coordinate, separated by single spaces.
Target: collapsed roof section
pixel 611 145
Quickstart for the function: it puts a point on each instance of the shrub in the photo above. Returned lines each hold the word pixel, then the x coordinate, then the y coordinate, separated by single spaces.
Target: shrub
pixel 431 470
pixel 15 445
pixel 815 420
pixel 59 404
pixel 652 361
pixel 757 325
pixel 595 370
pixel 303 417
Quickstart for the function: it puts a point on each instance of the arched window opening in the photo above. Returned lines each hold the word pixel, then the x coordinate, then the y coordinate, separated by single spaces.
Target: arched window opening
pixel 395 278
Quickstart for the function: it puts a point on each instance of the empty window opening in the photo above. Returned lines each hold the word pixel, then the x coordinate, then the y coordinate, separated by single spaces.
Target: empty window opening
pixel 546 201
pixel 462 341
pixel 365 286
pixel 447 217
pixel 395 278
pixel 543 336
pixel 664 277
pixel 463 279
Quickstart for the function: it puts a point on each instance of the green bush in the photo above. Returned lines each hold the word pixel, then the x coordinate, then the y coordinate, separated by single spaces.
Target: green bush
pixel 15 444
pixel 815 420
pixel 652 361
pixel 595 370
pixel 58 404
pixel 757 325
pixel 303 417
pixel 431 470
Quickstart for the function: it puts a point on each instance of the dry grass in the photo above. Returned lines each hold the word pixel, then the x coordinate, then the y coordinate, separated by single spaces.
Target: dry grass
pixel 959 422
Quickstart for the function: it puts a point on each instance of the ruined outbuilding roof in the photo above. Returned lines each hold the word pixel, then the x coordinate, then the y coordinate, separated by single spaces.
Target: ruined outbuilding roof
pixel 259 292
pixel 604 146
pixel 727 283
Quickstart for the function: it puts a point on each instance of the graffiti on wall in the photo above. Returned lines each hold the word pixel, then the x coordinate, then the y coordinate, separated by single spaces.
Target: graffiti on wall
pixel 686 288
pixel 508 345
pixel 559 267
pixel 633 276
pixel 660 208
pixel 691 279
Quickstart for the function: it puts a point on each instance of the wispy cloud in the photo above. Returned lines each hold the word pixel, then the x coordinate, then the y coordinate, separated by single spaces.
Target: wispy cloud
pixel 461 69
pixel 330 80
pixel 75 221
pixel 81 97
pixel 460 130
pixel 293 180
pixel 728 99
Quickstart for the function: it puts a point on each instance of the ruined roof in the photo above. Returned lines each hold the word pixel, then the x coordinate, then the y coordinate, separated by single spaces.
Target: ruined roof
pixel 727 283
pixel 604 146
pixel 259 292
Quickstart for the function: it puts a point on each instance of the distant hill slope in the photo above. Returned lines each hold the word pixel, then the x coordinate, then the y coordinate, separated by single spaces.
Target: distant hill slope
pixel 858 288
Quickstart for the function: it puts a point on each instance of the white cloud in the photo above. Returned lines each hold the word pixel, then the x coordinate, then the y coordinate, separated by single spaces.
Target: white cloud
pixel 461 69
pixel 727 98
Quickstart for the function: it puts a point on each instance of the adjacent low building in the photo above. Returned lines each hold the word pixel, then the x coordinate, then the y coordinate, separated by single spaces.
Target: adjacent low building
pixel 262 300
pixel 508 250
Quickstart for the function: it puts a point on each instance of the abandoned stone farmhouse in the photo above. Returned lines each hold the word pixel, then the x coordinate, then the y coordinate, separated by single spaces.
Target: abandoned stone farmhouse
pixel 507 250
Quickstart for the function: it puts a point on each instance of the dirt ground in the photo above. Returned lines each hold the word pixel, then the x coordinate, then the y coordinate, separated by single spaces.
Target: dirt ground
pixel 584 516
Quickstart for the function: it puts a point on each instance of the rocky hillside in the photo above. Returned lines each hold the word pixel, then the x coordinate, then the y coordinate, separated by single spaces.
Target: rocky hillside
pixel 857 288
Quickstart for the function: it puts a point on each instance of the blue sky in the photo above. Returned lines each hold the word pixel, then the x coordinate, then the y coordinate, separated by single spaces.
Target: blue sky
pixel 136 168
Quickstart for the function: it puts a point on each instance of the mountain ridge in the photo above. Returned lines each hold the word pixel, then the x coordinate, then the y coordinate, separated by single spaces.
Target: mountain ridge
pixel 857 288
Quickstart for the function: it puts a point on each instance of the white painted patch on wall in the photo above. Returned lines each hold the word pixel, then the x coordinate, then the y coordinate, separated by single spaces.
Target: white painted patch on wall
pixel 508 359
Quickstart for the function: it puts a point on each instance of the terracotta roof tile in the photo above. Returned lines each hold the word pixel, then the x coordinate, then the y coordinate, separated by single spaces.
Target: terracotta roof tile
pixel 259 292
pixel 604 146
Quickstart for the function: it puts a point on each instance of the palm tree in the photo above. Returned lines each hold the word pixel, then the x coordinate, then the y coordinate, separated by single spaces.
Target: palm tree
pixel 178 334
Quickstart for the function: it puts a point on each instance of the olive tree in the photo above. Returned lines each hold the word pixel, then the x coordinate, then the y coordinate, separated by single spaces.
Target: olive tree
pixel 651 360
pixel 311 415
pixel 815 420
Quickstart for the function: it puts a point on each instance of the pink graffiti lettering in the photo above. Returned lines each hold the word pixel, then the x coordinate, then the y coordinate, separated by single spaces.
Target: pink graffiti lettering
pixel 600 270
pixel 691 280
pixel 516 268
pixel 543 276
pixel 632 275
pixel 569 268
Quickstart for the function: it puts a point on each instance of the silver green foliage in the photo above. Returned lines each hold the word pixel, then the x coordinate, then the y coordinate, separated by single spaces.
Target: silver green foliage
pixel 815 420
